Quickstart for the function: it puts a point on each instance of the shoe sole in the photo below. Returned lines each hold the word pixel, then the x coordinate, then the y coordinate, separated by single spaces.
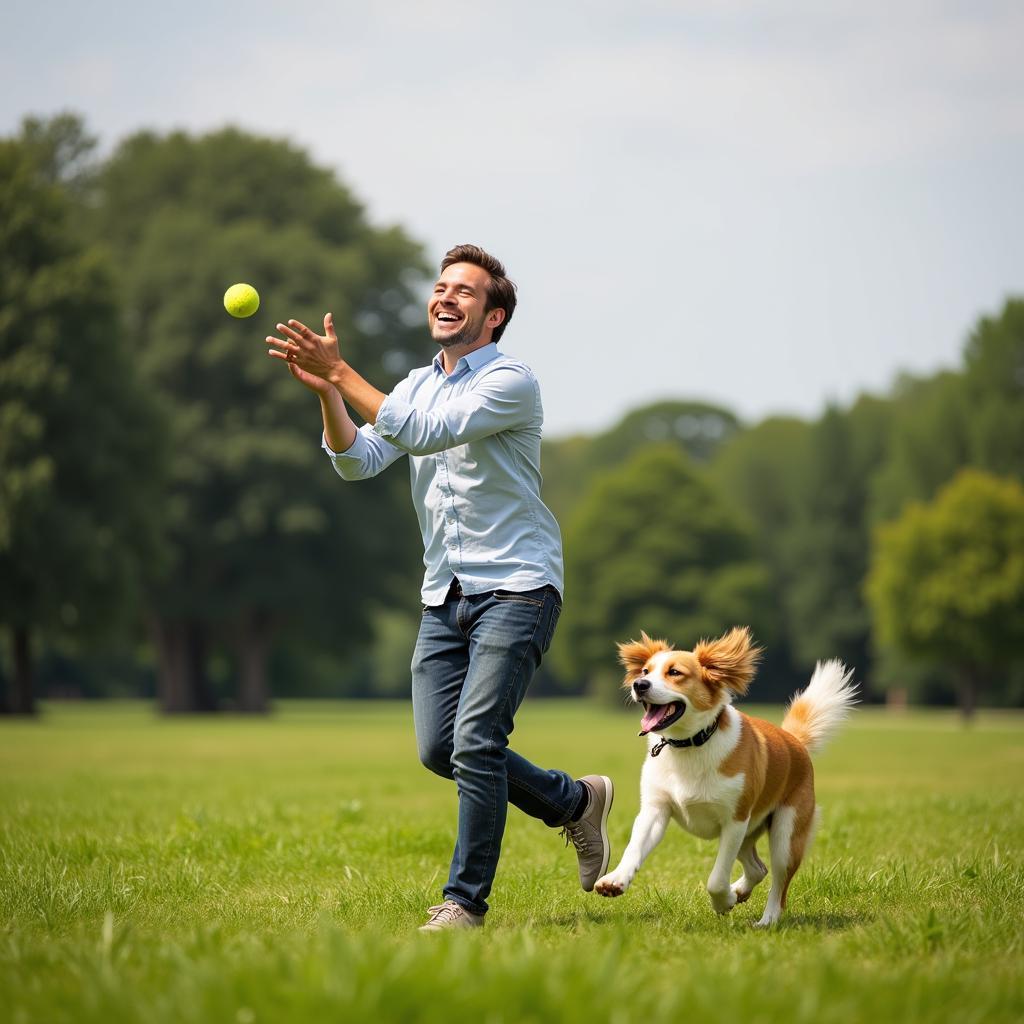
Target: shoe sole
pixel 610 793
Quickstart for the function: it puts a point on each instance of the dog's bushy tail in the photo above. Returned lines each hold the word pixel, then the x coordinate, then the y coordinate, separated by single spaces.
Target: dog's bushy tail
pixel 816 713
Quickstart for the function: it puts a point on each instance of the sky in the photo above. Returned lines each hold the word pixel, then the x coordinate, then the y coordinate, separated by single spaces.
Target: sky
pixel 770 205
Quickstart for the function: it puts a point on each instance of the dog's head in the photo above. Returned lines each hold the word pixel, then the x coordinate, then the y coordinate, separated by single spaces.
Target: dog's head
pixel 669 682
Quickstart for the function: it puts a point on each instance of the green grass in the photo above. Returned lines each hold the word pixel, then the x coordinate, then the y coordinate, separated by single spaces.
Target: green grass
pixel 243 871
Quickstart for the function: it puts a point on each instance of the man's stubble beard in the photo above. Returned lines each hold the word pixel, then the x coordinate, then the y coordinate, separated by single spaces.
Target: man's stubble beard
pixel 468 333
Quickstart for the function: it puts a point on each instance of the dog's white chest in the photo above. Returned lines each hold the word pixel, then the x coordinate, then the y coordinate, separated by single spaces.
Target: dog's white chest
pixel 699 819
pixel 700 799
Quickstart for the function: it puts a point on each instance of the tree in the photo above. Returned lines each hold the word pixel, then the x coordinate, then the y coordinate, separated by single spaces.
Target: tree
pixel 994 391
pixel 652 547
pixel 761 472
pixel 696 428
pixel 928 442
pixel 947 581
pixel 828 546
pixel 264 542
pixel 80 451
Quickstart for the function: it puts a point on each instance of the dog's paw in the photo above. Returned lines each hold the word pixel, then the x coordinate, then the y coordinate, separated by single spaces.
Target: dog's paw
pixel 609 885
pixel 723 902
pixel 741 892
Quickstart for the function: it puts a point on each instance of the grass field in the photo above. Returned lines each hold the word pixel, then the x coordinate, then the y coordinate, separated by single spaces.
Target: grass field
pixel 244 871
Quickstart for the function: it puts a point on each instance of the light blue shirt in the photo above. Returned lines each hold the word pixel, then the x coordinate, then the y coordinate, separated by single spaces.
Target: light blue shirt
pixel 473 441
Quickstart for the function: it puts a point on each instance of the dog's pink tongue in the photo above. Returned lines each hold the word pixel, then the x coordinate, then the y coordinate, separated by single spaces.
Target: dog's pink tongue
pixel 656 714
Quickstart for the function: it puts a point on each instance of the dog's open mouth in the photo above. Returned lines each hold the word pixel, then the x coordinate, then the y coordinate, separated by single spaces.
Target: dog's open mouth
pixel 660 716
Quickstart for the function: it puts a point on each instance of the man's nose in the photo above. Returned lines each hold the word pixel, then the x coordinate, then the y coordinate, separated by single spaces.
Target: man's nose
pixel 641 686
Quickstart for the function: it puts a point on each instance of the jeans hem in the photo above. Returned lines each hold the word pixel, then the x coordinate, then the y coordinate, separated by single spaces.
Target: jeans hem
pixel 464 903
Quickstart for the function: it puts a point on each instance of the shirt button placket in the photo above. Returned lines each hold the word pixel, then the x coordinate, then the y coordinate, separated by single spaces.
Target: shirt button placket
pixel 450 529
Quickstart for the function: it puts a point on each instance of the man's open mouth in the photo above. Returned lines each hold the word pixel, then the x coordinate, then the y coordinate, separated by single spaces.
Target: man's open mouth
pixel 660 716
pixel 448 318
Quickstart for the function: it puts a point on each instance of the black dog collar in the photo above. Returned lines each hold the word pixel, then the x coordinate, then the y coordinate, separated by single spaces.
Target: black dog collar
pixel 698 739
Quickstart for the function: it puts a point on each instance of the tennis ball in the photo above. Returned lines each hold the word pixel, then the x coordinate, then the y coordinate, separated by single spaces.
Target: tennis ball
pixel 241 300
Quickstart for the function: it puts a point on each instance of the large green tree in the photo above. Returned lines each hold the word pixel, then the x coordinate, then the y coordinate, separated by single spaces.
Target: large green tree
pixel 80 447
pixel 947 582
pixel 760 472
pixel 570 464
pixel 264 542
pixel 994 391
pixel 827 545
pixel 928 442
pixel 653 547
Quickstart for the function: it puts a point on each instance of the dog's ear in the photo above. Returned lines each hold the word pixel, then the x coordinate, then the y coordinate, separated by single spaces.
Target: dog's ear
pixel 729 661
pixel 633 655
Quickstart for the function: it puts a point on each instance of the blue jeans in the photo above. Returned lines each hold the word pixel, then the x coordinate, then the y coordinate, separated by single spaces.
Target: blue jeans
pixel 474 659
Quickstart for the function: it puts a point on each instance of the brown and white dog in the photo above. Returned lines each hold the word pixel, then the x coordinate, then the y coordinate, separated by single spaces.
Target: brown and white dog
pixel 721 774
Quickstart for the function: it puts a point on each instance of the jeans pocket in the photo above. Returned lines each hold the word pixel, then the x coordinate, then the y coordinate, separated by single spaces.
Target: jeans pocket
pixel 534 597
pixel 556 611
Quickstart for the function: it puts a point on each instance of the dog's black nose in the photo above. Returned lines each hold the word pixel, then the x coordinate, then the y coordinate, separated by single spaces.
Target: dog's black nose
pixel 641 686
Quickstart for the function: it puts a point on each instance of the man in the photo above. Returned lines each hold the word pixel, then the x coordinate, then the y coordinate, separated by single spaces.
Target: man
pixel 471 426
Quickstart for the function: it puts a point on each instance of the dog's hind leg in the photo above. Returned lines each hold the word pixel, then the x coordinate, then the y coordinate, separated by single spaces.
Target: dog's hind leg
pixel 754 871
pixel 788 840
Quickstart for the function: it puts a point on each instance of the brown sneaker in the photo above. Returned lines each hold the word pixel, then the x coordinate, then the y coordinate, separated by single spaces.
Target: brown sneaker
pixel 590 834
pixel 451 915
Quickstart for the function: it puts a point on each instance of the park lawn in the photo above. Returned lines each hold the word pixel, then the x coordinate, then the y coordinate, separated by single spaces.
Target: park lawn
pixel 242 870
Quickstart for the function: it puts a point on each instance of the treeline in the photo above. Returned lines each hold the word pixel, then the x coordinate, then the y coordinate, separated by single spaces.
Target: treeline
pixel 169 526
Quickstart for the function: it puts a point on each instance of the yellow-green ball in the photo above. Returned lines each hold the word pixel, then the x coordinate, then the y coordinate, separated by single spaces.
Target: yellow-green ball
pixel 241 300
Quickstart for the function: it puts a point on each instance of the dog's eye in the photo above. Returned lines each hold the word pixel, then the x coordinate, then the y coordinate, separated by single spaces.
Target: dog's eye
pixel 674 672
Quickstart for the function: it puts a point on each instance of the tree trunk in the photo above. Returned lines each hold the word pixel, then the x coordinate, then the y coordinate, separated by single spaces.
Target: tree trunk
pixel 253 645
pixel 197 640
pixel 171 682
pixel 22 701
pixel 182 684
pixel 968 694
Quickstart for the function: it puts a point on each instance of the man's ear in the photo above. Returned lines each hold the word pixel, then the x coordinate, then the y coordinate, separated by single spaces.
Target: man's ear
pixel 729 661
pixel 495 317
pixel 634 655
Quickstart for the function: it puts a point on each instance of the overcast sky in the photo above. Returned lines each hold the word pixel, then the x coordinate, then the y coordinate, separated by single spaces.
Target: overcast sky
pixel 769 205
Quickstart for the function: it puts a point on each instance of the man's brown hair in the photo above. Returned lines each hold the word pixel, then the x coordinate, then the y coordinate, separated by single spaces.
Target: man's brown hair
pixel 501 290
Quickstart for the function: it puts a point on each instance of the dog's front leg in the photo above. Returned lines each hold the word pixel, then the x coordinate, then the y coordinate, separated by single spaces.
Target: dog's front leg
pixel 723 899
pixel 648 831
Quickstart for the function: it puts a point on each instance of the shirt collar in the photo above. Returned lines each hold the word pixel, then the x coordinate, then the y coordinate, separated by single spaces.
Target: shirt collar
pixel 473 361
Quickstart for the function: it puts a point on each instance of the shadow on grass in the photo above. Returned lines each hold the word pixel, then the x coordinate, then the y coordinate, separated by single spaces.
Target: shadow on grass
pixel 835 921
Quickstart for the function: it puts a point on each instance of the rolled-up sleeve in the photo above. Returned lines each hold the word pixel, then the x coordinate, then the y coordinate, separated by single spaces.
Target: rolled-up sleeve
pixel 367 456
pixel 505 399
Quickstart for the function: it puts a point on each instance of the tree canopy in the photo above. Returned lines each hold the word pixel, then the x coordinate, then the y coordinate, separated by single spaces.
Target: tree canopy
pixel 81 455
pixel 262 536
pixel 654 548
pixel 947 580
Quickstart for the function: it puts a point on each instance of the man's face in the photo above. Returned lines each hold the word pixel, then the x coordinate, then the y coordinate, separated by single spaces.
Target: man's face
pixel 456 311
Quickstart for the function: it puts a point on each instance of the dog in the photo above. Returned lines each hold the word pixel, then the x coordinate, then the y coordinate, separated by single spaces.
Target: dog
pixel 720 773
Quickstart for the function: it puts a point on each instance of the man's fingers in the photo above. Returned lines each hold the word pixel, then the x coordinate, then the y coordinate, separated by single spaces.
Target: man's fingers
pixel 329 327
pixel 289 333
pixel 284 346
pixel 304 331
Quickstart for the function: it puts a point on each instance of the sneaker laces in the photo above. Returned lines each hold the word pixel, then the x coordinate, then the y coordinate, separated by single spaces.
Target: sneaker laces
pixel 575 833
pixel 444 912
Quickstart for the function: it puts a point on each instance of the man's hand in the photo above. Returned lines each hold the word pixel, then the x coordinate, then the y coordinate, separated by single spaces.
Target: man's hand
pixel 312 358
